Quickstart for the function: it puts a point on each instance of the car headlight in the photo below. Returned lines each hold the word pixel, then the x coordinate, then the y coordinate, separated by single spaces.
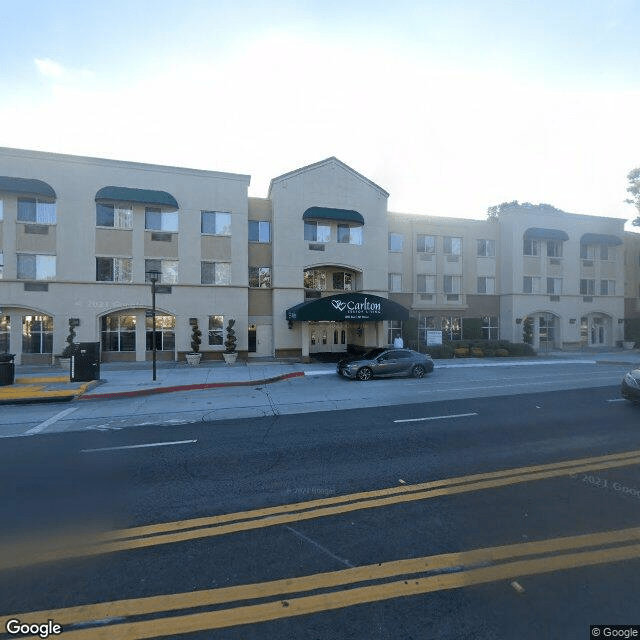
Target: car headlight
pixel 631 381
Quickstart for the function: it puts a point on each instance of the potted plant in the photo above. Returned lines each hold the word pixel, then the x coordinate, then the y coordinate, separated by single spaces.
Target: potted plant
pixel 64 360
pixel 193 358
pixel 230 354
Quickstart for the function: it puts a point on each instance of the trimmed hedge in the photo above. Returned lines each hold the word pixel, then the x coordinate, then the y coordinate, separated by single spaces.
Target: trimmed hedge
pixel 478 349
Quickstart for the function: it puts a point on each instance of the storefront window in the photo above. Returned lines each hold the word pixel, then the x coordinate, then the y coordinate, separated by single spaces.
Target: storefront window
pixel 118 332
pixel 165 333
pixel 394 330
pixel 451 328
pixel 37 334
pixel 5 330
pixel 216 326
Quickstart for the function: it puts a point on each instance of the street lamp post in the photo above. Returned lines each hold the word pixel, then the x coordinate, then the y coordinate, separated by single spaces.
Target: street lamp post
pixel 153 277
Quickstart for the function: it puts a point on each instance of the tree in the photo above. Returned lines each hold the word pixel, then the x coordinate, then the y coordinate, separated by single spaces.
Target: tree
pixel 634 189
pixel 492 212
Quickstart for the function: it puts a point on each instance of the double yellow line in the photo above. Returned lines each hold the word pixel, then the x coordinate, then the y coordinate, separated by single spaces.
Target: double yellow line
pixel 338 589
pixel 184 530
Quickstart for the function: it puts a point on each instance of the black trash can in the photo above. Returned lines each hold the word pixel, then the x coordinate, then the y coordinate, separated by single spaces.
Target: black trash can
pixel 85 362
pixel 7 369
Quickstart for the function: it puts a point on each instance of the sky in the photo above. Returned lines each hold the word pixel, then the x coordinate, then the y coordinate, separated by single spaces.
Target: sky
pixel 449 106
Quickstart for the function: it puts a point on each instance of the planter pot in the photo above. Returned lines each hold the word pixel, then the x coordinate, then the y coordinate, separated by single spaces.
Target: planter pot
pixel 230 358
pixel 628 345
pixel 193 359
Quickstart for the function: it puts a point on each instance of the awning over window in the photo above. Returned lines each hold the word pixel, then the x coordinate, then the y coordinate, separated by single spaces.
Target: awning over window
pixel 26 186
pixel 600 238
pixel 538 233
pixel 341 215
pixel 142 196
pixel 349 306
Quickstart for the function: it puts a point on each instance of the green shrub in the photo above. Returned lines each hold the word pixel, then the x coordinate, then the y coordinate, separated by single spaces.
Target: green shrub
pixel 502 353
pixel 438 352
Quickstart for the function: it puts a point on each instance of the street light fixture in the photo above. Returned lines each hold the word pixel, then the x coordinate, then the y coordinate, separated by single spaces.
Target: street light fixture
pixel 153 276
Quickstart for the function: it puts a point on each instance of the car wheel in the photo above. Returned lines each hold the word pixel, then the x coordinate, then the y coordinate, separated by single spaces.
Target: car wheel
pixel 418 371
pixel 364 374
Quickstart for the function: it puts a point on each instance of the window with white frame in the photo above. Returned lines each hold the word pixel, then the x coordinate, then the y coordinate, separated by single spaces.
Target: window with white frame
pixel 396 242
pixel 425 243
pixel 395 282
pixel 37 334
pixel 394 330
pixel 215 223
pixel 114 269
pixel 165 333
pixel 531 247
pixel 425 324
pixel 259 231
pixel 554 286
pixel 216 330
pixel 118 332
pixel 451 328
pixel 317 232
pixel 607 252
pixel 587 251
pixel 215 273
pixel 260 277
pixel 36 267
pixel 315 279
pixel 554 248
pixel 35 210
pixel 349 235
pixel 587 287
pixel 114 216
pixel 451 284
pixel 486 248
pixel 168 270
pixel 342 280
pixel 157 220
pixel 607 287
pixel 486 285
pixel 531 284
pixel 426 283
pixel 5 333
pixel 490 328
pixel 452 246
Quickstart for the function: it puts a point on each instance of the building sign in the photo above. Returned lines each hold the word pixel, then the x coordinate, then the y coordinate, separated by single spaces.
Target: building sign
pixel 348 306
pixel 434 337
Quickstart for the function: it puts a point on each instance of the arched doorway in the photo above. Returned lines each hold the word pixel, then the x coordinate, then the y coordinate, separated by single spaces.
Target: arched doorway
pixel 595 330
pixel 545 327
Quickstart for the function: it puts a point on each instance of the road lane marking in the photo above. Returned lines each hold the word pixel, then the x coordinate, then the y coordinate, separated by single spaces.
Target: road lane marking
pixel 199 528
pixel 318 546
pixel 617 400
pixel 47 423
pixel 476 566
pixel 455 415
pixel 140 446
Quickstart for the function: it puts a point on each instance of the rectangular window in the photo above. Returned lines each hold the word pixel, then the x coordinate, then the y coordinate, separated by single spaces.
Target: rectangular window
pixel 118 333
pixel 36 267
pixel 451 284
pixel 425 244
pixel 587 251
pixel 168 270
pixel 531 284
pixel 452 246
pixel 554 249
pixel 314 279
pixel 5 332
pixel 109 215
pixel 156 220
pixel 451 328
pixel 394 330
pixel 317 232
pixel 34 210
pixel 260 277
pixel 554 286
pixel 531 247
pixel 215 273
pixel 165 333
pixel 395 282
pixel 486 248
pixel 426 323
pixel 606 252
pixel 113 269
pixel 486 285
pixel 426 284
pixel 216 223
pixel 259 231
pixel 37 334
pixel 349 235
pixel 587 287
pixel 396 242
pixel 490 327
pixel 607 287
pixel 216 327
pixel 342 281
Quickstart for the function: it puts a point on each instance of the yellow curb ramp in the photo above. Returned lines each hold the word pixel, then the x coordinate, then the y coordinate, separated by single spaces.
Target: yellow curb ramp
pixel 38 389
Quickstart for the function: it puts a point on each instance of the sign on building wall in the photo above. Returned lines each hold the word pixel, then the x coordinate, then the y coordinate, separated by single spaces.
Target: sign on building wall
pixel 434 337
pixel 348 306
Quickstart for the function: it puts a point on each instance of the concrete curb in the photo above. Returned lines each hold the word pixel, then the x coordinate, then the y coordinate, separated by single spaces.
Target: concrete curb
pixel 72 395
pixel 188 387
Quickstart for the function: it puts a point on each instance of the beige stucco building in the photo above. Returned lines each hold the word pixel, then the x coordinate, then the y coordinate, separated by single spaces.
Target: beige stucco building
pixel 317 265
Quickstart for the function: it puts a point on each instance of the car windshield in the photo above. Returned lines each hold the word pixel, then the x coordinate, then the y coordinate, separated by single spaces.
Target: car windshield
pixel 374 353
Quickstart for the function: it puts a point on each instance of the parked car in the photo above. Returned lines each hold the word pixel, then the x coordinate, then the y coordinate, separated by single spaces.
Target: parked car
pixel 631 385
pixel 385 363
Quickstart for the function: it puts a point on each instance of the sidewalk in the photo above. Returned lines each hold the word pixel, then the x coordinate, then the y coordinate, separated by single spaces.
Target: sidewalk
pixel 123 380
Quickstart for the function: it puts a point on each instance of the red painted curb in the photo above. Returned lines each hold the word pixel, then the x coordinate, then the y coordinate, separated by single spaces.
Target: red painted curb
pixel 187 387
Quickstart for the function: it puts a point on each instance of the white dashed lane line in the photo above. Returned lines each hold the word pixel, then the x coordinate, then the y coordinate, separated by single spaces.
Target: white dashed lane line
pixel 140 446
pixel 455 415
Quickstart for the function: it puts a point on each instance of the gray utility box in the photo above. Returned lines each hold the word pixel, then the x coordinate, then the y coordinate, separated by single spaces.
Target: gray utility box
pixel 85 362
pixel 7 369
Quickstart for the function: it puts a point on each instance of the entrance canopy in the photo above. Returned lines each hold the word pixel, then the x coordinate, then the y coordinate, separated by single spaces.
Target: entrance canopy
pixel 348 306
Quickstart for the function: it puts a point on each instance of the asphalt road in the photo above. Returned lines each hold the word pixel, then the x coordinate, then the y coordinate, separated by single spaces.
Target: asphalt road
pixel 507 517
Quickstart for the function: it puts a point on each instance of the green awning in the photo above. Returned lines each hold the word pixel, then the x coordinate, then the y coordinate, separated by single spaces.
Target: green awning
pixel 142 196
pixel 27 186
pixel 325 213
pixel 600 238
pixel 348 306
pixel 538 233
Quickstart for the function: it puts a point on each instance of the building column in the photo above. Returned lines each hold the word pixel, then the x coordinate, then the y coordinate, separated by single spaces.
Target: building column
pixel 305 339
pixel 15 333
pixel 141 336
